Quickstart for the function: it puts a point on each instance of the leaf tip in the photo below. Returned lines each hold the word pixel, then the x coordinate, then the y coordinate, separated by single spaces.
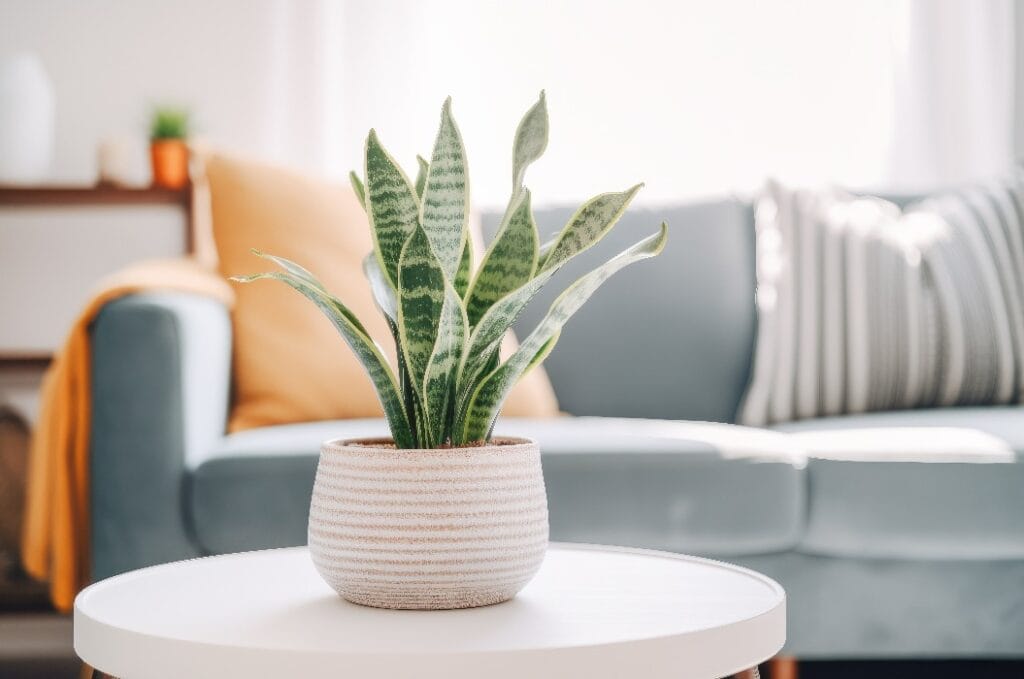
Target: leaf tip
pixel 662 238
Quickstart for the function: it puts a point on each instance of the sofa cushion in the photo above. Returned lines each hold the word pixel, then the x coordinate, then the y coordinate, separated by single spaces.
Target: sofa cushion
pixel 920 484
pixel 687 316
pixel 707 488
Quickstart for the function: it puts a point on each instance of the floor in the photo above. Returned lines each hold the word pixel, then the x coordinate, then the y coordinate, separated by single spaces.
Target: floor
pixel 37 645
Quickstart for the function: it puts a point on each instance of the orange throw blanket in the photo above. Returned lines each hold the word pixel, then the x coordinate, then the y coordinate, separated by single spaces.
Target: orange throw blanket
pixel 55 542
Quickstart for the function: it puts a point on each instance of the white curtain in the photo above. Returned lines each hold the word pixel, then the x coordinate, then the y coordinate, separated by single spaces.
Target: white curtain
pixel 955 70
pixel 693 97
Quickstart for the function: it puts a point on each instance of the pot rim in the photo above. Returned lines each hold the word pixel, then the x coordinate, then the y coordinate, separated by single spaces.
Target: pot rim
pixel 367 443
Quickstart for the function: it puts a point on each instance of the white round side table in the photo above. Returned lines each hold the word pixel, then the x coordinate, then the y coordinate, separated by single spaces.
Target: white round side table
pixel 591 611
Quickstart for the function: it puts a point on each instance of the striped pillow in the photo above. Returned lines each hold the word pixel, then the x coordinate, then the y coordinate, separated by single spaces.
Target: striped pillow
pixel 865 307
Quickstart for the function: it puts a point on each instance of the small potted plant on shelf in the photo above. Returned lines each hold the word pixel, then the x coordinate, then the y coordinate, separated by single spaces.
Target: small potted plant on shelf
pixel 445 514
pixel 167 149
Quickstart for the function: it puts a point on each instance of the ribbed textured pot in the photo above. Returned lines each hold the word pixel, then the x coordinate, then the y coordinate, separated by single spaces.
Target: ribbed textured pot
pixel 428 529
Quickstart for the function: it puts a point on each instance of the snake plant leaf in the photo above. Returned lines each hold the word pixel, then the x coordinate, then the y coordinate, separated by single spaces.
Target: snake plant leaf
pixel 545 250
pixel 485 403
pixel 448 322
pixel 386 299
pixel 291 267
pixel 393 206
pixel 465 273
pixel 537 359
pixel 511 260
pixel 421 294
pixel 588 225
pixel 383 292
pixel 358 188
pixel 530 141
pixel 366 350
pixel 421 175
pixel 440 376
pixel 444 208
pixel 485 339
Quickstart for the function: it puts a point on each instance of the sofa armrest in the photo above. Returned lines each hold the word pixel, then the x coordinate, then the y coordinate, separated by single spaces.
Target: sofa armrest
pixel 161 365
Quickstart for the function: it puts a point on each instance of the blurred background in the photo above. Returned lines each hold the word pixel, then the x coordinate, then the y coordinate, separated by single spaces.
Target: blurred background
pixel 698 99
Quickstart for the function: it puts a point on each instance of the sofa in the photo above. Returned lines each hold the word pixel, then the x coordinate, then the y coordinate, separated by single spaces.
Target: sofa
pixel 895 534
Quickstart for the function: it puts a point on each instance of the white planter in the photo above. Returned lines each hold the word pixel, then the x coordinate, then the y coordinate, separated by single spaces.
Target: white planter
pixel 428 529
pixel 26 120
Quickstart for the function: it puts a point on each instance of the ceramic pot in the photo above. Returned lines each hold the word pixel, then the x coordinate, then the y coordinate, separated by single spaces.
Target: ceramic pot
pixel 170 163
pixel 428 529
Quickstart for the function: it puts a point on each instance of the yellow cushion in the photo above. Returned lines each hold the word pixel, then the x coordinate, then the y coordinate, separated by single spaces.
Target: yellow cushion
pixel 290 365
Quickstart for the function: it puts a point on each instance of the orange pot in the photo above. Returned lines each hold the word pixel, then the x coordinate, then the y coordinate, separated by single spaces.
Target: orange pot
pixel 170 163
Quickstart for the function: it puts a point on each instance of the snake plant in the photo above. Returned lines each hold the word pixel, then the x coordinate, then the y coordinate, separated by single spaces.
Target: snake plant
pixel 447 319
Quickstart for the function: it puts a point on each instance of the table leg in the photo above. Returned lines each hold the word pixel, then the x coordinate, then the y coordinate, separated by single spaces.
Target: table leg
pixel 92 673
pixel 783 667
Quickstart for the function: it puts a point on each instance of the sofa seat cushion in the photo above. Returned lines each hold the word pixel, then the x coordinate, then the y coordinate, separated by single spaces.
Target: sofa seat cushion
pixel 921 484
pixel 707 488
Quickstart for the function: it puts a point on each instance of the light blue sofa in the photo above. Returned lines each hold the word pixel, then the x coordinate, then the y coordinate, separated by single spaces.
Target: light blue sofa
pixel 881 558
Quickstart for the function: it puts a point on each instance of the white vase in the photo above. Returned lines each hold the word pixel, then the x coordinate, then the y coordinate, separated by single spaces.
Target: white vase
pixel 26 120
pixel 428 529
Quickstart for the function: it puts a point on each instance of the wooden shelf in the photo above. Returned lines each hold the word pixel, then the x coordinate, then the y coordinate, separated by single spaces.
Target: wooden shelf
pixel 35 196
pixel 101 195
pixel 25 359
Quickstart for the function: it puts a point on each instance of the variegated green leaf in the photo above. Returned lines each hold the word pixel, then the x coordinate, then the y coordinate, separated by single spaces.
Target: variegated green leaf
pixel 511 260
pixel 387 301
pixel 445 206
pixel 442 368
pixel 588 225
pixel 365 349
pixel 358 188
pixel 485 403
pixel 421 175
pixel 538 358
pixel 530 141
pixel 292 268
pixel 465 273
pixel 545 250
pixel 383 292
pixel 485 341
pixel 393 207
pixel 486 336
pixel 421 292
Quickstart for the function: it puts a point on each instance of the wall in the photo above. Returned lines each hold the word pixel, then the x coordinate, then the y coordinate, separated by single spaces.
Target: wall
pixel 248 69
pixel 694 97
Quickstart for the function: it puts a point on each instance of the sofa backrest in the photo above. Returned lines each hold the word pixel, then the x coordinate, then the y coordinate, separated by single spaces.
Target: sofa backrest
pixel 668 338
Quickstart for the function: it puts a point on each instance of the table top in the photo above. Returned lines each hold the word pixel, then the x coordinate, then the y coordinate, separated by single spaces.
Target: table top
pixel 610 612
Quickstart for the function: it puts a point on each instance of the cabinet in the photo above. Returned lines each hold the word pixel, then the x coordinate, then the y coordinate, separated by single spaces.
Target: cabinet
pixel 56 243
